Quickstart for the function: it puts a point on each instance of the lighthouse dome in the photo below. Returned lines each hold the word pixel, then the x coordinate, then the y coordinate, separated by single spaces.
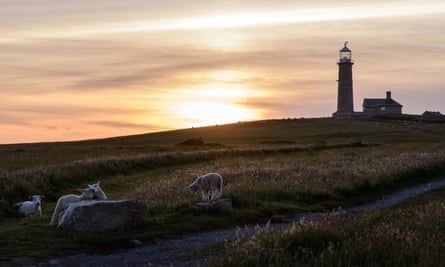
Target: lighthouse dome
pixel 345 49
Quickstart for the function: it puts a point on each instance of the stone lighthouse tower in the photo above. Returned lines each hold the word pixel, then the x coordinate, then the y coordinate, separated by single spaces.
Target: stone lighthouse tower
pixel 345 101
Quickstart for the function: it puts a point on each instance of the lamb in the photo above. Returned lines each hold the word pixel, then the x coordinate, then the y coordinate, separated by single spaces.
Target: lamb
pixel 98 193
pixel 209 182
pixel 64 201
pixel 30 208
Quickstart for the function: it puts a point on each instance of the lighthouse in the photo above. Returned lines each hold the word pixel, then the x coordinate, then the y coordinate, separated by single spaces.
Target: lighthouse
pixel 345 101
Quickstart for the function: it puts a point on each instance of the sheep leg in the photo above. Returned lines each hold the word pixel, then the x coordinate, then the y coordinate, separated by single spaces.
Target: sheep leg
pixel 56 213
pixel 216 194
pixel 213 195
pixel 53 218
pixel 204 195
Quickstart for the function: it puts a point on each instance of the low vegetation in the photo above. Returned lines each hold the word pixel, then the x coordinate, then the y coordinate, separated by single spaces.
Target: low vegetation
pixel 270 169
pixel 410 235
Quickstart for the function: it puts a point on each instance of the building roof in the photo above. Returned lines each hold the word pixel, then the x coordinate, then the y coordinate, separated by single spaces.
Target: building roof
pixel 433 116
pixel 436 114
pixel 378 102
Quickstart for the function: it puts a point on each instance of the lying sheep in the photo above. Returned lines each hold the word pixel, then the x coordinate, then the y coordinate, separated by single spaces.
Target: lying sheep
pixel 64 201
pixel 30 208
pixel 206 183
pixel 98 193
pixel 92 192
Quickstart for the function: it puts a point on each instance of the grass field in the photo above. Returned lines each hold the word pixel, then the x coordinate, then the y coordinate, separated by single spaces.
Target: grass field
pixel 411 234
pixel 270 168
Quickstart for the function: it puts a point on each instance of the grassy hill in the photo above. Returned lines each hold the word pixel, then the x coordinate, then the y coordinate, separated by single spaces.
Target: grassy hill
pixel 270 168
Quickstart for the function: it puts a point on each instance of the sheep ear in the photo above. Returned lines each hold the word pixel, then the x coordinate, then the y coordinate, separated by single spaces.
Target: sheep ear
pixel 98 182
pixel 30 197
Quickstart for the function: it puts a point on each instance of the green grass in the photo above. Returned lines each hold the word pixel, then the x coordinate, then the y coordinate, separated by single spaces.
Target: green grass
pixel 270 169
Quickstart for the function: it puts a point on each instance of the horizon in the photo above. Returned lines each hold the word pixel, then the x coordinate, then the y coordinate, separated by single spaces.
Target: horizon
pixel 75 71
pixel 405 116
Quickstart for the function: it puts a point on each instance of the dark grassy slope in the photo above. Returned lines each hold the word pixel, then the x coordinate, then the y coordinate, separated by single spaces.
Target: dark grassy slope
pixel 245 134
pixel 270 167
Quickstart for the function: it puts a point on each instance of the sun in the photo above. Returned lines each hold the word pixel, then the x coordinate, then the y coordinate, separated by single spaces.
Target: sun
pixel 210 113
pixel 223 98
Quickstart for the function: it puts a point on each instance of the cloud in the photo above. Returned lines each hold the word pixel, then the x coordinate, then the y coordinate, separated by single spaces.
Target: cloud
pixel 125 125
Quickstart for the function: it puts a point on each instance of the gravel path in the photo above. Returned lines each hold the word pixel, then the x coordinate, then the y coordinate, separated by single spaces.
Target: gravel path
pixel 168 252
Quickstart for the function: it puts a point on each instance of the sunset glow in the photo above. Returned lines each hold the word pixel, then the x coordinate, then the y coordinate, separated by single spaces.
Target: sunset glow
pixel 73 71
pixel 208 113
pixel 217 103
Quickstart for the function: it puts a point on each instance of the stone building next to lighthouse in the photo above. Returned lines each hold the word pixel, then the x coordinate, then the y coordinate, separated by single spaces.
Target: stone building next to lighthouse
pixel 345 98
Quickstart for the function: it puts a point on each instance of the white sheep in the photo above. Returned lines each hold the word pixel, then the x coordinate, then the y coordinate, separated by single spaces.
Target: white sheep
pixel 211 182
pixel 98 193
pixel 64 201
pixel 30 208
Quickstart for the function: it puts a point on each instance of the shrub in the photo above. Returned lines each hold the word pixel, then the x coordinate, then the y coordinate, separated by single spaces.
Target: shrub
pixel 192 142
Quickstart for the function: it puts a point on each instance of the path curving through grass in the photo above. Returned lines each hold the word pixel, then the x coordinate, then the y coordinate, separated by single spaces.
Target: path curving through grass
pixel 183 251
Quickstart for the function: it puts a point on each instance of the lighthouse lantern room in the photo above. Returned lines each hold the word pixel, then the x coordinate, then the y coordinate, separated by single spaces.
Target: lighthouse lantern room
pixel 345 54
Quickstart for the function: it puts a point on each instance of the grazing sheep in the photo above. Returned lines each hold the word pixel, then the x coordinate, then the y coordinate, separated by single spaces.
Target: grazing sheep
pixel 98 193
pixel 206 183
pixel 30 208
pixel 64 201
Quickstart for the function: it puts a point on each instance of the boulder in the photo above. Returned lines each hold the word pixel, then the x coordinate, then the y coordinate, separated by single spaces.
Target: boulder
pixel 103 215
pixel 224 205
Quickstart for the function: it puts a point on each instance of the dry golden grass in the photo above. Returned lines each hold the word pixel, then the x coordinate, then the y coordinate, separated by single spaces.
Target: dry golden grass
pixel 322 172
pixel 410 235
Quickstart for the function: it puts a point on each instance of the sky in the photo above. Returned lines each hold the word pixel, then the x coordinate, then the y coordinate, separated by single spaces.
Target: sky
pixel 76 70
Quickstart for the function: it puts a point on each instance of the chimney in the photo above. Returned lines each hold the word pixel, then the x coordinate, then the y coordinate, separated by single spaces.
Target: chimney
pixel 388 95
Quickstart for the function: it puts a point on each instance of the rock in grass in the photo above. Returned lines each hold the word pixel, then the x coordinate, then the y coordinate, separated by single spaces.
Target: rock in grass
pixel 103 215
pixel 224 205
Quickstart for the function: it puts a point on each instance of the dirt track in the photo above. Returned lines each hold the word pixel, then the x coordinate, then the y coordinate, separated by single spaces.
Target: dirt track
pixel 168 252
